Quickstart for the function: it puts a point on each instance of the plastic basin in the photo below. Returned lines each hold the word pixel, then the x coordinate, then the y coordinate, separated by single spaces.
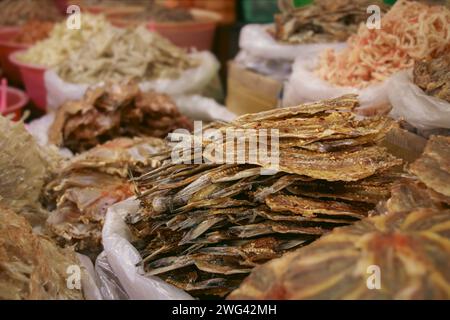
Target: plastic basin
pixel 7 47
pixel 33 79
pixel 198 34
pixel 16 100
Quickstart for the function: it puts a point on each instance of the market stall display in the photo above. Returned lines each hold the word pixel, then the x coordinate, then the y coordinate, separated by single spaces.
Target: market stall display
pixel 203 227
pixel 407 242
pixel 327 177
pixel 433 76
pixel 114 110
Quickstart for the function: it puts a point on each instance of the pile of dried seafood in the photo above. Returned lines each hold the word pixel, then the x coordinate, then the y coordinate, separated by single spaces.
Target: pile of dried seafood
pixel 408 243
pixel 111 111
pixel 433 76
pixel 81 194
pixel 31 266
pixel 107 56
pixel 322 21
pixel 204 227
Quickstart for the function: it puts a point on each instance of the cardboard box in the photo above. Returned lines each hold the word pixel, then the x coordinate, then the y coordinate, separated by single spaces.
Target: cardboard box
pixel 250 92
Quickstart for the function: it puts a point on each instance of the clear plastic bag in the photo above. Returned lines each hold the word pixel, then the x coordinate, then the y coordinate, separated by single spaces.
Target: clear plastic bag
pixel 191 81
pixel 415 106
pixel 123 258
pixel 255 40
pixel 305 86
pixel 264 54
pixel 201 108
pixel 109 284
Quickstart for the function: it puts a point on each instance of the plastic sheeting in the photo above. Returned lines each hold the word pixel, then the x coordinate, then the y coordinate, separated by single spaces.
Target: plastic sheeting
pixel 305 86
pixel 191 81
pixel 123 258
pixel 264 54
pixel 415 106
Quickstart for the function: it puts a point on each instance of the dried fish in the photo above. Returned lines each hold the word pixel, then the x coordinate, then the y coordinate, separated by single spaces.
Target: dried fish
pixel 91 182
pixel 199 221
pixel 322 21
pixel 114 110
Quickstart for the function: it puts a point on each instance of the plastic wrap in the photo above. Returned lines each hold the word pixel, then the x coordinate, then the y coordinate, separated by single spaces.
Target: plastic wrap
pixel 191 81
pixel 201 108
pixel 109 284
pixel 255 39
pixel 305 86
pixel 415 106
pixel 123 258
pixel 264 54
pixel 90 282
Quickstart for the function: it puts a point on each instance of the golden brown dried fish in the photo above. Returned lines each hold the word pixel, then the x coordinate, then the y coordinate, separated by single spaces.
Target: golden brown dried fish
pixel 410 249
pixel 433 167
pixel 200 220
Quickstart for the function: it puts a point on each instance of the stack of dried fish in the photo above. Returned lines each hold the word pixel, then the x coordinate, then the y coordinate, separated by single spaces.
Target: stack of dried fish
pixel 402 254
pixel 111 111
pixel 204 227
pixel 31 266
pixel 433 76
pixel 89 184
pixel 322 21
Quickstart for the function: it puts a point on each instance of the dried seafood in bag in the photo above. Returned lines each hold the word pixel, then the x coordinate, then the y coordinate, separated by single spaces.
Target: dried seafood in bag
pixel 31 266
pixel 89 184
pixel 203 226
pixel 322 21
pixel 408 243
pixel 433 76
pixel 111 111
pixel 411 30
pixel 18 12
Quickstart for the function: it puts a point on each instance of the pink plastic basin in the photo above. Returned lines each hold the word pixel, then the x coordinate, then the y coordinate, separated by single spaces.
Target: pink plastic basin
pixel 16 100
pixel 33 79
pixel 198 34
pixel 7 47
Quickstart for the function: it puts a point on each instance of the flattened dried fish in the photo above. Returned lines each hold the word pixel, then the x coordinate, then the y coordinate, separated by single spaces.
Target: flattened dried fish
pixel 200 220
pixel 433 167
pixel 334 267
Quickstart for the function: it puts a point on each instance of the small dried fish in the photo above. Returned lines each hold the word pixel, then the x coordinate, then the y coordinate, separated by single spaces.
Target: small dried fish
pixel 200 220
